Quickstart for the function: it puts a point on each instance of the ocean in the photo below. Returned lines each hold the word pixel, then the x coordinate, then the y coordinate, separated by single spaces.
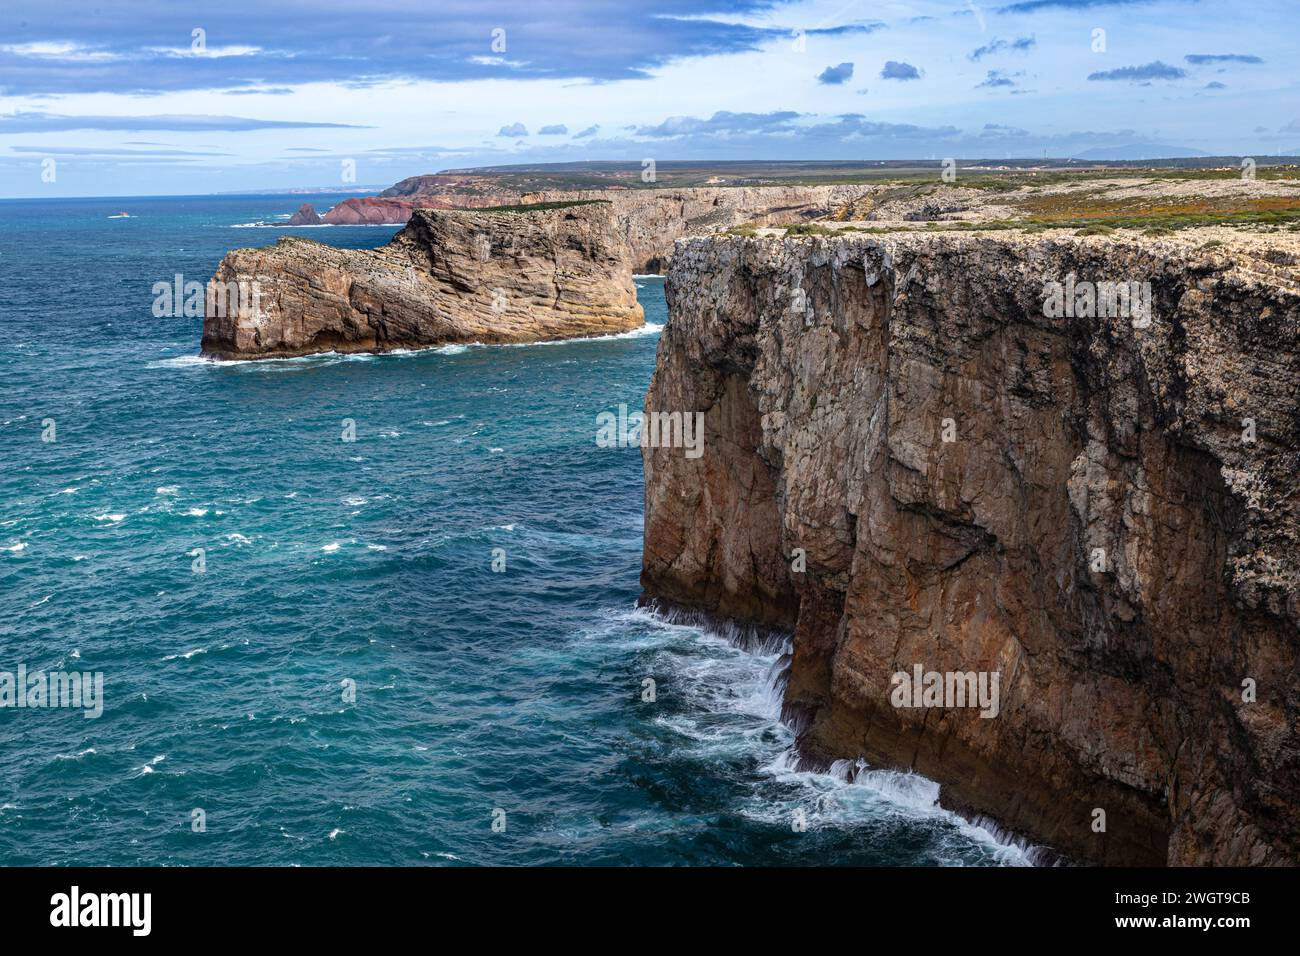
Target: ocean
pixel 417 647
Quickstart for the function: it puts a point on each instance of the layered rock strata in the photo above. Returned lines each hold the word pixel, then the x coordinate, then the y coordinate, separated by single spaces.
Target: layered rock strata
pixel 916 454
pixel 653 219
pixel 449 276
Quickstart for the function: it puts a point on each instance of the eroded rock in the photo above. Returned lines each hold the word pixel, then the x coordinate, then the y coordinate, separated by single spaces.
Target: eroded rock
pixel 1100 532
pixel 305 216
pixel 449 276
pixel 369 211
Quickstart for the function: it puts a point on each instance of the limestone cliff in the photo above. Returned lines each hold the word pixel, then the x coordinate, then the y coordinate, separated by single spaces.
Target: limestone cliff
pixel 653 219
pixel 1101 509
pixel 449 276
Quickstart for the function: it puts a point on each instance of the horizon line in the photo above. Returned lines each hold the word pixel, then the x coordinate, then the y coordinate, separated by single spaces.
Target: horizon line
pixel 1203 162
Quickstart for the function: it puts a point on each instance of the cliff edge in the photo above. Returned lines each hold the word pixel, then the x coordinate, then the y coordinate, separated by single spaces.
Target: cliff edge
pixel 521 274
pixel 653 219
pixel 1070 462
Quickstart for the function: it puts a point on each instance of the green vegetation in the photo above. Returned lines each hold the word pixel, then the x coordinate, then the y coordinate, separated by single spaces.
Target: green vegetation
pixel 810 229
pixel 997 175
pixel 1081 209
pixel 1091 209
pixel 998 184
pixel 1166 223
pixel 1152 226
pixel 1156 224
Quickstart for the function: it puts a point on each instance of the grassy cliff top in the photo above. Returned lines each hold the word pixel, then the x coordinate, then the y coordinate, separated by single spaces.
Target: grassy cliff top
pixel 987 173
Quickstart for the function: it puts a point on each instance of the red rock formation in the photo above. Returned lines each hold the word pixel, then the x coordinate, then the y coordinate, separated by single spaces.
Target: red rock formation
pixel 305 216
pixel 371 211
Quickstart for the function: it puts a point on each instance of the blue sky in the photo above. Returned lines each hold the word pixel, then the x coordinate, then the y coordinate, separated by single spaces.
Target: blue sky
pixel 125 97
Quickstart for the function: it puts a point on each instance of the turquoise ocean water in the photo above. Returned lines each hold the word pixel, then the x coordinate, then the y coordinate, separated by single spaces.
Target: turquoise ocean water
pixel 513 697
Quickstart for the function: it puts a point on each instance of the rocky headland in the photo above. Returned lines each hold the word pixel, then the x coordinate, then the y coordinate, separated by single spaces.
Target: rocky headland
pixel 513 275
pixel 651 219
pixel 917 454
pixel 1041 433
pixel 654 219
pixel 369 211
pixel 363 211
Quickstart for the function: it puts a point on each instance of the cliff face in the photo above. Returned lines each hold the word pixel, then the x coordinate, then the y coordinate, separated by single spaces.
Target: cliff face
pixel 447 277
pixel 970 484
pixel 653 219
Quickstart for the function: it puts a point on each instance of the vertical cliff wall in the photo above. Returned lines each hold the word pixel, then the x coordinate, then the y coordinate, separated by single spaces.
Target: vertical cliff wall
pixel 909 460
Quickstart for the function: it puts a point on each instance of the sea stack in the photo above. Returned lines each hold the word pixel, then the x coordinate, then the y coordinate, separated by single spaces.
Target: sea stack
pixel 915 461
pixel 305 216
pixel 512 274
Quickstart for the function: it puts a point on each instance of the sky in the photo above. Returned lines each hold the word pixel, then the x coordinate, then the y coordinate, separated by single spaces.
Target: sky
pixel 137 97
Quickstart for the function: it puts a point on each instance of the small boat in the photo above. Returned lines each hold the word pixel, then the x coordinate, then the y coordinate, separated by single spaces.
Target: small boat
pixel 120 215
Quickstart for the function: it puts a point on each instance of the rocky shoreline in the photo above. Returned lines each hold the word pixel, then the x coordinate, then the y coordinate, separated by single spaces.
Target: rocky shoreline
pixel 913 461
pixel 1049 471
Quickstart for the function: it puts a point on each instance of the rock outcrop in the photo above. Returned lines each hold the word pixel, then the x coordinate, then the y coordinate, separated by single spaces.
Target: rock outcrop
pixel 909 459
pixel 305 216
pixel 653 219
pixel 369 211
pixel 449 276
